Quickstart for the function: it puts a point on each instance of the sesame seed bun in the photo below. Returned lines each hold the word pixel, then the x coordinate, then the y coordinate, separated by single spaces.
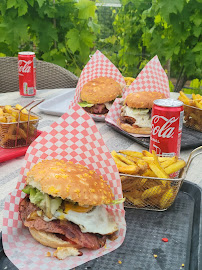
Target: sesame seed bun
pixel 67 180
pixel 142 100
pixel 100 90
pixel 50 239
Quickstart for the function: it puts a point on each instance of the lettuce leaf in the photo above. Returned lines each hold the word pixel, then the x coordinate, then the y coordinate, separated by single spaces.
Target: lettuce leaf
pixel 85 104
pixel 45 202
pixel 122 200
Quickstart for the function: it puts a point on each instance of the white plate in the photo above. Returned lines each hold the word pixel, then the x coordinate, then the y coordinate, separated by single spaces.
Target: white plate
pixel 57 105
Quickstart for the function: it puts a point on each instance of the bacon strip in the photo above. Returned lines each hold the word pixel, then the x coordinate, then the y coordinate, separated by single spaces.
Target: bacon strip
pixel 70 230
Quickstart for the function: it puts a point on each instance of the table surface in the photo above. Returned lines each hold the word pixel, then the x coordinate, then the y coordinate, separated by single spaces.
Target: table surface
pixel 9 170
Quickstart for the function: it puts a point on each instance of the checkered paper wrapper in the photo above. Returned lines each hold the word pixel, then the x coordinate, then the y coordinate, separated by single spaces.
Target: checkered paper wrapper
pixel 151 78
pixel 73 137
pixel 98 66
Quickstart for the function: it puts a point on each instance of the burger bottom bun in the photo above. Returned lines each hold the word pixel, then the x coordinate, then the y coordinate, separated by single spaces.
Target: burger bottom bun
pixel 50 239
pixel 134 130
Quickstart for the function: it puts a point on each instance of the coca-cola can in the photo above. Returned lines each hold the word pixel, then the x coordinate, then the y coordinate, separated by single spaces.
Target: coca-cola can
pixel 166 127
pixel 27 73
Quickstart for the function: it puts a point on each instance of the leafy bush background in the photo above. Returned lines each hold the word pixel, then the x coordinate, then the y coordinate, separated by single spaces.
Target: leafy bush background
pixel 66 32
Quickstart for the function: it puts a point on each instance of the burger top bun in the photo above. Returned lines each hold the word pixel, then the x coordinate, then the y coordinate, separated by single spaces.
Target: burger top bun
pixel 71 181
pixel 142 100
pixel 100 90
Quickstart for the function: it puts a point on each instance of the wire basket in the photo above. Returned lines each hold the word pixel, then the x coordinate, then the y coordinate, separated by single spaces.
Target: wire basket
pixel 153 193
pixel 22 132
pixel 193 117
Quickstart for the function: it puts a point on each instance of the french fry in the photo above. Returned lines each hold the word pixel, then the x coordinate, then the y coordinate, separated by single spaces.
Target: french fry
pixel 167 199
pixel 22 133
pixel 151 158
pixel 158 172
pixel 128 169
pixel 129 80
pixel 125 159
pixel 136 201
pixel 131 153
pixel 143 165
pixel 156 167
pixel 149 173
pixel 199 105
pixel 8 109
pixel 117 160
pixel 168 162
pixel 134 159
pixel 175 167
pixel 146 153
pixel 135 194
pixel 143 181
pixel 184 98
pixel 10 137
pixel 151 192
pixel 3 119
pixel 19 107
pixel 26 117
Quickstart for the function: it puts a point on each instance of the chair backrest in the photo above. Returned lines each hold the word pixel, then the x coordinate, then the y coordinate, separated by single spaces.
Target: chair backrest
pixel 48 75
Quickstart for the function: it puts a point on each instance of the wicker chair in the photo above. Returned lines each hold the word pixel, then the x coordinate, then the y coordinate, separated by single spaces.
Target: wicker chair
pixel 48 75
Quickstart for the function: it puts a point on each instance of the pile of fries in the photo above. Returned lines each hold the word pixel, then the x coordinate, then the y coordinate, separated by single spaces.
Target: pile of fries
pixel 17 127
pixel 192 110
pixel 146 178
pixel 129 80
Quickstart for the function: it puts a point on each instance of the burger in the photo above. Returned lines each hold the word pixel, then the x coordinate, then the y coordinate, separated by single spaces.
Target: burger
pixel 135 114
pixel 64 206
pixel 98 95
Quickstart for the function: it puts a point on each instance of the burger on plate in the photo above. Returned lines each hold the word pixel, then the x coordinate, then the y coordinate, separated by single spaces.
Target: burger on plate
pixel 64 206
pixel 136 112
pixel 97 96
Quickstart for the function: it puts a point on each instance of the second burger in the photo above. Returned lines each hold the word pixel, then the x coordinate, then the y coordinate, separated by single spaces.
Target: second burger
pixel 97 96
pixel 135 114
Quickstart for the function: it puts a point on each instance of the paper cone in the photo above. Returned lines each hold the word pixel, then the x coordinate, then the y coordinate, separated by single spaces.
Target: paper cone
pixel 151 78
pixel 98 66
pixel 73 137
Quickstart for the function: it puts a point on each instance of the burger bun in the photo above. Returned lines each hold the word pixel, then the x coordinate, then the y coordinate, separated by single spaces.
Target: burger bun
pixel 50 239
pixel 100 90
pixel 134 129
pixel 142 100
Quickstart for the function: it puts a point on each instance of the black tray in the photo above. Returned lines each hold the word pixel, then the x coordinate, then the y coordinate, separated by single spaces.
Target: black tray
pixel 190 138
pixel 181 224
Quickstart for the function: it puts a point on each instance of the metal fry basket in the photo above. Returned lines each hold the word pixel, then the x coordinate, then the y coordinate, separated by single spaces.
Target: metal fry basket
pixel 23 131
pixel 193 117
pixel 153 193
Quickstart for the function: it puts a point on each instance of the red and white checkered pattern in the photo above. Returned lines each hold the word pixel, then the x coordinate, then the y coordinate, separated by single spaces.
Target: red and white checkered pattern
pixel 73 137
pixel 151 78
pixel 98 66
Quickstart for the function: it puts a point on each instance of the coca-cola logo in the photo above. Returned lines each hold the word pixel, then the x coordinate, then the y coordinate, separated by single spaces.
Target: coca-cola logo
pixel 24 66
pixel 165 130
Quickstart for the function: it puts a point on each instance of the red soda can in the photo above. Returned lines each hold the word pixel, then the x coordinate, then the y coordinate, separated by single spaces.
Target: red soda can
pixel 27 73
pixel 166 127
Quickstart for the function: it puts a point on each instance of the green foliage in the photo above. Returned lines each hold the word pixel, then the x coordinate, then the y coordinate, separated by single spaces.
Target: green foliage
pixel 170 29
pixel 196 83
pixel 66 32
pixel 60 31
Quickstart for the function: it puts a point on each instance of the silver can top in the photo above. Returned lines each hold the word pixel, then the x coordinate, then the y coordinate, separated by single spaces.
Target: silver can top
pixel 168 102
pixel 26 53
